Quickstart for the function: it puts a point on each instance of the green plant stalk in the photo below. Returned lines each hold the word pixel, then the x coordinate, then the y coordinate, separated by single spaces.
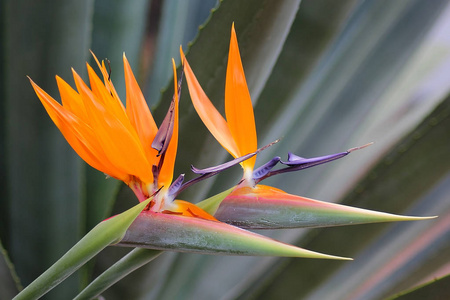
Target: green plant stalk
pixel 105 233
pixel 137 258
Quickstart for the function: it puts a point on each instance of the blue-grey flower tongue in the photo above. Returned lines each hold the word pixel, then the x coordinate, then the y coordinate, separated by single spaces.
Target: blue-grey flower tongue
pixel 303 163
pixel 266 168
pixel 175 186
pixel 296 163
pixel 229 164
pixel 224 166
pixel 165 131
pixel 211 171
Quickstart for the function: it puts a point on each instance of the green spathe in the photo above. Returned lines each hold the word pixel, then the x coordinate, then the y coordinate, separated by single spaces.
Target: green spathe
pixel 187 234
pixel 265 207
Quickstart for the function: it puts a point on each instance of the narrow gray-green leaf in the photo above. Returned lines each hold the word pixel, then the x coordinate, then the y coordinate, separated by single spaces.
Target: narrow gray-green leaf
pixel 438 288
pixel 178 25
pixel 137 258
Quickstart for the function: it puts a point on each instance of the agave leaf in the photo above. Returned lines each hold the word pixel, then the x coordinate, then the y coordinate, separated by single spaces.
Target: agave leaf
pixel 330 109
pixel 179 25
pixel 119 27
pixel 44 175
pixel 104 234
pixel 187 234
pixel 265 207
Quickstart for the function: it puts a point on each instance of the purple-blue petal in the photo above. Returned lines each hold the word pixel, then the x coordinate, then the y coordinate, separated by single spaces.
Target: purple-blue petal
pixel 266 168
pixel 223 166
pixel 165 131
pixel 176 185
pixel 297 161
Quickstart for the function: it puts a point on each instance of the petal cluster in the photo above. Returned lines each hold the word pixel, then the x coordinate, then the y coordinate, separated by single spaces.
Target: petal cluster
pixel 107 136
pixel 255 206
pixel 111 138
pixel 237 134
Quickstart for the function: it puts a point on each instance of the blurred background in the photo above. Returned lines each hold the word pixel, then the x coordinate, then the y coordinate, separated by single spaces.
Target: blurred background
pixel 324 76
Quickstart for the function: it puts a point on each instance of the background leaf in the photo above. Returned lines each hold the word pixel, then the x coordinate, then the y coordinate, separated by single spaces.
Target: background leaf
pixel 9 282
pixel 44 175
pixel 437 288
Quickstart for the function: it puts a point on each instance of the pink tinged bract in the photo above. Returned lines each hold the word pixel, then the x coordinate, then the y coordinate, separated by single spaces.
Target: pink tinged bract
pixel 180 233
pixel 264 207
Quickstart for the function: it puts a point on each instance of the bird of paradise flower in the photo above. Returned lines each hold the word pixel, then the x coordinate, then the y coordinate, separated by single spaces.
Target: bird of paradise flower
pixel 126 144
pixel 252 205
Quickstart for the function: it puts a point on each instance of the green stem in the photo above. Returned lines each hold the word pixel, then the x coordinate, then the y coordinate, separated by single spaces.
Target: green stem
pixel 105 233
pixel 137 258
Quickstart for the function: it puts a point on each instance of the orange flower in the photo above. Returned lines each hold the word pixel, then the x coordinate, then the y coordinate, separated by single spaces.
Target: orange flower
pixel 118 141
pixel 237 134
pixel 255 206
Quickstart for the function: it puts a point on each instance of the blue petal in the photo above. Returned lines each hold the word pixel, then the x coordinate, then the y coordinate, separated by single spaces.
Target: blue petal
pixel 176 185
pixel 223 166
pixel 165 131
pixel 266 168
pixel 297 161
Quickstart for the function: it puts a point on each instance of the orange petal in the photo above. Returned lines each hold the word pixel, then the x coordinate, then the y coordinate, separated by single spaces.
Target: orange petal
pixel 108 84
pixel 71 100
pixel 238 105
pixel 111 104
pixel 212 119
pixel 191 210
pixel 166 173
pixel 139 113
pixel 78 134
pixel 118 140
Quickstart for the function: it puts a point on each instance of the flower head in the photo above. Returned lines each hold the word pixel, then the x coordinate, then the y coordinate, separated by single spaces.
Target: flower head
pixel 123 143
pixel 237 133
pixel 251 205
